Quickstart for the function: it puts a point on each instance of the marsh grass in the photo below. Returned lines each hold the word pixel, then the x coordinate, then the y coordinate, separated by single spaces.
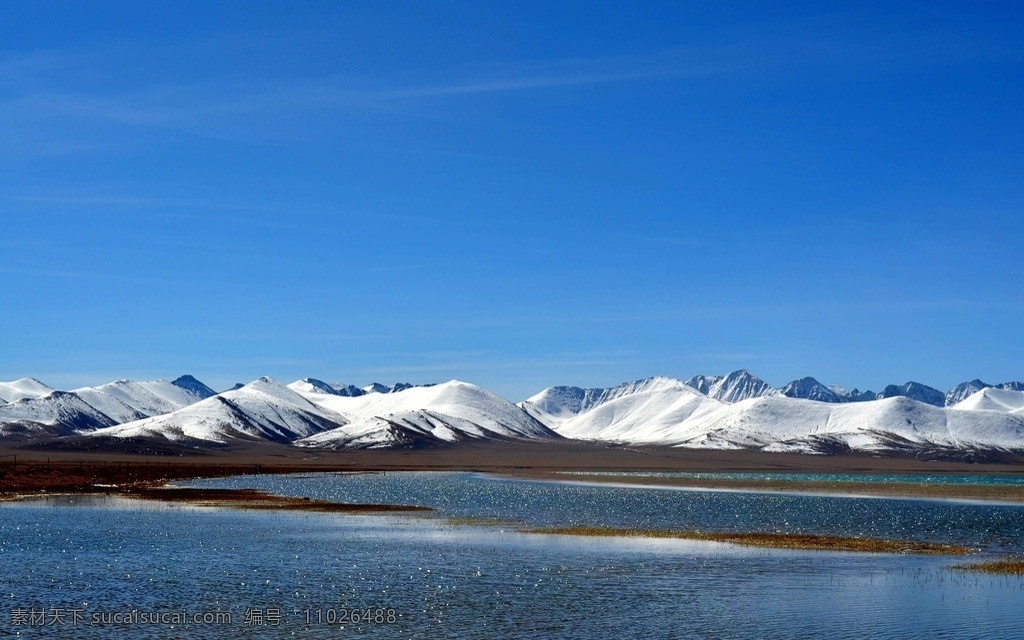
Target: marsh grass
pixel 480 521
pixel 771 540
pixel 1007 566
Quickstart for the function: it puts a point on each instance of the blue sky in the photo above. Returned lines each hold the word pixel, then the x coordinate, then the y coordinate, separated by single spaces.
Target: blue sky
pixel 514 194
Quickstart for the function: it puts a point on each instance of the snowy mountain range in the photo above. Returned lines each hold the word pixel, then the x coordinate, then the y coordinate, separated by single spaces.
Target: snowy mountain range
pixel 733 411
pixel 410 416
pixel 34 408
pixel 732 387
pixel 669 412
pixel 261 410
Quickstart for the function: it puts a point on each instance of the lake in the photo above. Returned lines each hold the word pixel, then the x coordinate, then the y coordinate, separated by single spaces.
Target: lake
pixel 144 569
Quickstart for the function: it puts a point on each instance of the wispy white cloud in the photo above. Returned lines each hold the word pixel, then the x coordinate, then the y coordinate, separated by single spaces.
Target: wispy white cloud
pixel 196 107
pixel 28 65
pixel 48 274
pixel 141 201
pixel 675 241
pixel 236 110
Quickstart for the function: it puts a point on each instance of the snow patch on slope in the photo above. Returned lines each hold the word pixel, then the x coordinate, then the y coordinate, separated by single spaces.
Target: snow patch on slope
pixel 446 412
pixel 23 388
pixel 649 411
pixel 261 410
pixel 61 412
pixel 127 400
pixel 992 399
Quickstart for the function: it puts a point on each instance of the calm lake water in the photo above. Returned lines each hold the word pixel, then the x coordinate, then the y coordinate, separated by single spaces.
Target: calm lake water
pixel 312 574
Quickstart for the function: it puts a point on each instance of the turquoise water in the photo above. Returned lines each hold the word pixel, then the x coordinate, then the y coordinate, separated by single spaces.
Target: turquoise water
pixel 885 478
pixel 103 556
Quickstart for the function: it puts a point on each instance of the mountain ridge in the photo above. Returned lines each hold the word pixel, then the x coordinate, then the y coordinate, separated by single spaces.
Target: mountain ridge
pixel 737 410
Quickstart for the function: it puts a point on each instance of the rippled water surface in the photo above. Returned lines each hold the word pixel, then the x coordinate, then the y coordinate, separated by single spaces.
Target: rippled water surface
pixel 998 527
pixel 886 478
pixel 441 580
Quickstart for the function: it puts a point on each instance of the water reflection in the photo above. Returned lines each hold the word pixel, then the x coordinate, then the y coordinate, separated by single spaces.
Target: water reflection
pixel 447 581
pixel 996 527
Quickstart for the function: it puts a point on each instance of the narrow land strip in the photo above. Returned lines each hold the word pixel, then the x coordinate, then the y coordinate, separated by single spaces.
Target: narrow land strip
pixel 987 492
pixel 771 540
pixel 1009 566
pixel 260 500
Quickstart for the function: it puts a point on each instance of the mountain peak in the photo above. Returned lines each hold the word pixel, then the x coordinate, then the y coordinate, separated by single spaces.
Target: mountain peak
pixel 964 390
pixel 23 388
pixel 739 385
pixel 810 389
pixel 916 391
pixel 190 383
pixel 376 387
pixel 349 390
pixel 317 386
pixel 702 383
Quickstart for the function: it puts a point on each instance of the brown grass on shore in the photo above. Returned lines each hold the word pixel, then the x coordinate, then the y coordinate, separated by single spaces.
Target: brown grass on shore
pixel 771 540
pixel 93 476
pixel 144 480
pixel 254 499
pixel 1010 566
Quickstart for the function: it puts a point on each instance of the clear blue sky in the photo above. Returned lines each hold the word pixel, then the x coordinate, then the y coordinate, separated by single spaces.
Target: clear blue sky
pixel 514 194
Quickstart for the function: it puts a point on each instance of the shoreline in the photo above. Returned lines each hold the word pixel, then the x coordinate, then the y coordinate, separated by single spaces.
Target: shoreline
pixel 985 493
pixel 148 477
pixel 807 542
pixel 29 472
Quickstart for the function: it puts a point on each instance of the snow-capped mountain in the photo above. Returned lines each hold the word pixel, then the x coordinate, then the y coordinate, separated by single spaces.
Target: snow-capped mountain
pixel 852 395
pixel 376 387
pixel 915 391
pixel 642 412
pixel 25 388
pixel 449 412
pixel 57 413
pixel 887 425
pixel 810 389
pixel 742 385
pixel 555 405
pixel 779 423
pixel 189 383
pixel 732 387
pixel 127 400
pixel 261 410
pixel 312 385
pixel 961 391
pixel 702 382
pixel 993 399
pixel 343 389
pixel 666 411
pixel 738 410
pixel 88 408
